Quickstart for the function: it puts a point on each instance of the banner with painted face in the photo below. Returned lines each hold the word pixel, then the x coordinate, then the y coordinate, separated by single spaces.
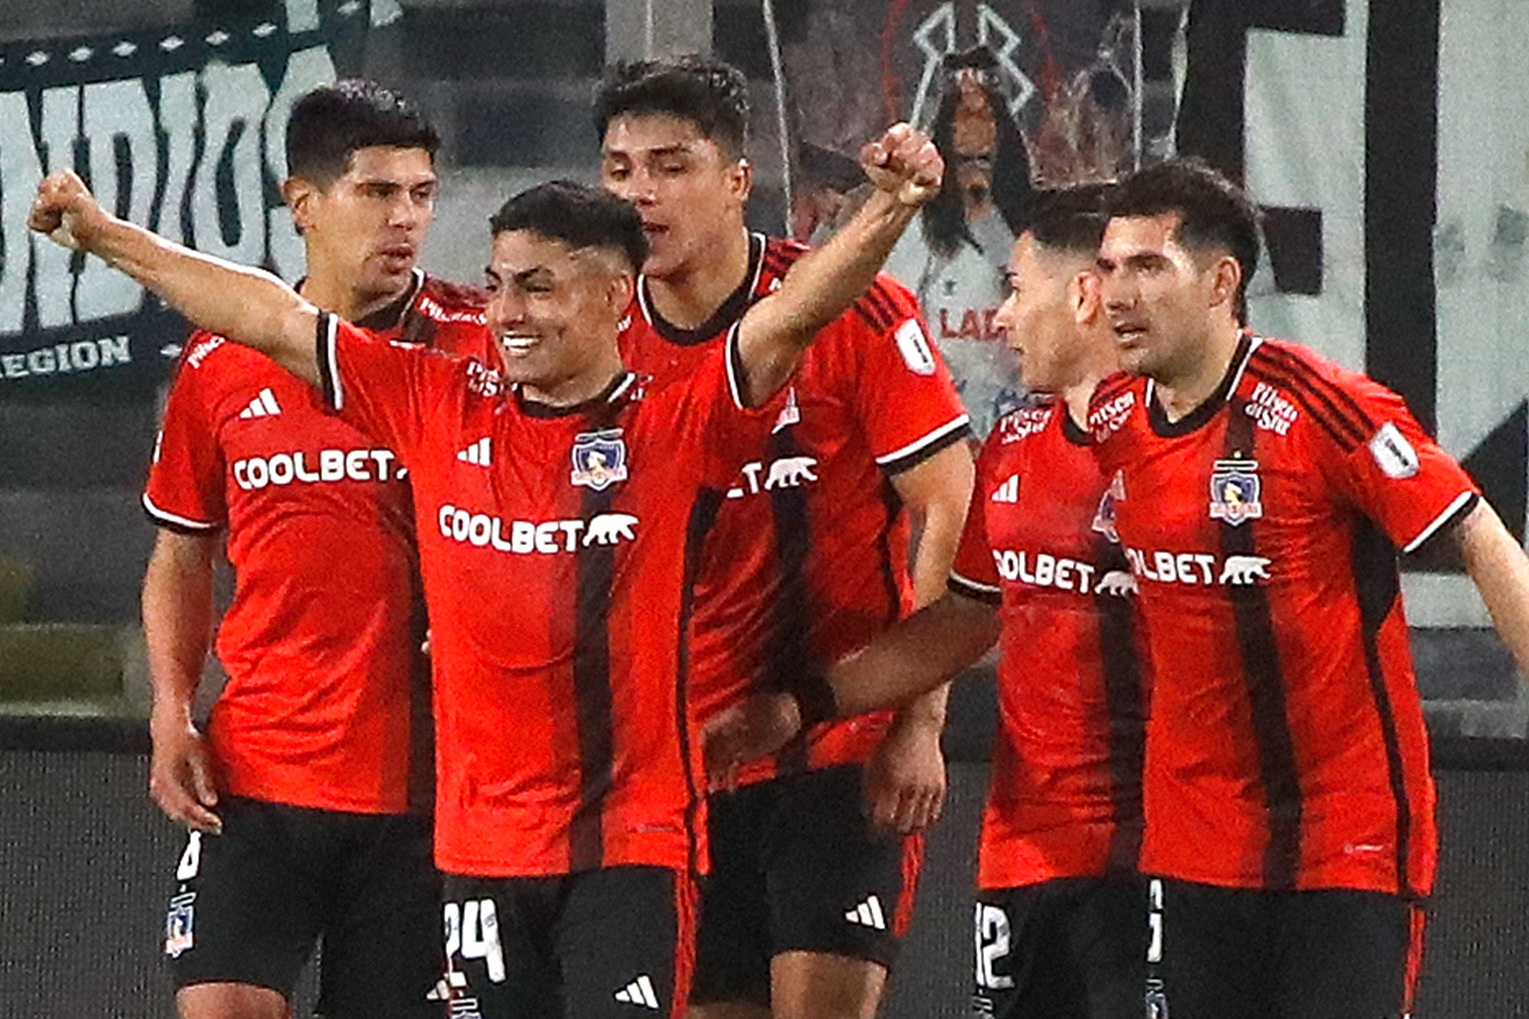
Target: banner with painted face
pixel 181 130
pixel 1014 93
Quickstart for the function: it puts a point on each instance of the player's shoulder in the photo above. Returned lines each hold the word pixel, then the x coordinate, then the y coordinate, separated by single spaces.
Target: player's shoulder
pixel 1291 382
pixel 208 359
pixel 1030 418
pixel 1113 401
pixel 447 302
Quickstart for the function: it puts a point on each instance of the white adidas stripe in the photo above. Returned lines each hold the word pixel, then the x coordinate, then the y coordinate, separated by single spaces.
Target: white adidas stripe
pixel 868 914
pixel 477 453
pixel 639 992
pixel 263 405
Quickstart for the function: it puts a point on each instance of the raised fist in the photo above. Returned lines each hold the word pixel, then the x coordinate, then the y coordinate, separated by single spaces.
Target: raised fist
pixel 65 210
pixel 905 164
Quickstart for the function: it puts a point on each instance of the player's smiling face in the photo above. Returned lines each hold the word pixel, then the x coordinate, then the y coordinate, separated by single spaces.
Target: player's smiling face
pixel 689 193
pixel 554 310
pixel 368 225
pixel 1037 317
pixel 1159 298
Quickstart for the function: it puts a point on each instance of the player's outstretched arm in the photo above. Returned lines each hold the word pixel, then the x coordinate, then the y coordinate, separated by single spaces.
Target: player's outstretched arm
pixel 905 169
pixel 915 656
pixel 1500 569
pixel 177 623
pixel 245 305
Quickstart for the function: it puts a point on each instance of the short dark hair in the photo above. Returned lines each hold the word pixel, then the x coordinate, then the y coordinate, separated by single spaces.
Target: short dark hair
pixel 712 95
pixel 327 126
pixel 1070 219
pixel 578 215
pixel 1214 213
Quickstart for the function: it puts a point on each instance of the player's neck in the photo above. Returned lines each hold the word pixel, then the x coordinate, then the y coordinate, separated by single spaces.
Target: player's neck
pixel 1180 392
pixel 690 296
pixel 332 292
pixel 577 389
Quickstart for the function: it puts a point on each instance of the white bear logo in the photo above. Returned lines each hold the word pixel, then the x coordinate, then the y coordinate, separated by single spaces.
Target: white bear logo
pixel 790 472
pixel 1244 569
pixel 609 528
pixel 1118 583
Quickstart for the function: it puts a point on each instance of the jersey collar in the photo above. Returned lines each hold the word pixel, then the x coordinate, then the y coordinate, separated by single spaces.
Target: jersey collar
pixel 1201 415
pixel 619 387
pixel 390 315
pixel 730 311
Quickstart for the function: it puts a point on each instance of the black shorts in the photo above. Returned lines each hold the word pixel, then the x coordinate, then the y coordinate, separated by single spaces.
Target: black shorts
pixel 1329 954
pixel 796 867
pixel 1070 948
pixel 602 944
pixel 250 904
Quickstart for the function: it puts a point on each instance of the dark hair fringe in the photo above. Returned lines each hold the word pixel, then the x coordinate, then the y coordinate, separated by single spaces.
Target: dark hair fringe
pixel 327 126
pixel 1215 215
pixel 712 95
pixel 578 215
pixel 1070 219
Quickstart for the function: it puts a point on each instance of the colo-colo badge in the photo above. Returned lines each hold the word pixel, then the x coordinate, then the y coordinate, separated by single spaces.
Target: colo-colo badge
pixel 599 459
pixel 1235 489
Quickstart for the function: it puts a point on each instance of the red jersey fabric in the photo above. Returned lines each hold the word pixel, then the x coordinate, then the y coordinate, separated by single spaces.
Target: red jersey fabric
pixel 558 549
pixel 1065 794
pixel 809 556
pixel 319 642
pixel 1286 747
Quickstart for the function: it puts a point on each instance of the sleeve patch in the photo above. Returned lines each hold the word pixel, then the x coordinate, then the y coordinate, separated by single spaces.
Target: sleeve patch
pixel 913 345
pixel 1393 454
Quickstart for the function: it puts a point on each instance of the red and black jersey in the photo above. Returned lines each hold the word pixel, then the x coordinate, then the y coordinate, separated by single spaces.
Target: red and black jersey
pixel 1286 747
pixel 558 548
pixel 319 642
pixel 1065 794
pixel 809 556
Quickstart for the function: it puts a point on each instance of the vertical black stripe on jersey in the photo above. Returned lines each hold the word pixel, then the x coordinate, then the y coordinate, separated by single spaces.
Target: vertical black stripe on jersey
pixel 1378 586
pixel 703 514
pixel 1126 738
pixel 1266 685
pixel 592 690
pixel 892 506
pixel 788 654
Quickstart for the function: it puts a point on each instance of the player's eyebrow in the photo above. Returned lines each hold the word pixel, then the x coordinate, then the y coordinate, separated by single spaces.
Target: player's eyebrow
pixel 535 274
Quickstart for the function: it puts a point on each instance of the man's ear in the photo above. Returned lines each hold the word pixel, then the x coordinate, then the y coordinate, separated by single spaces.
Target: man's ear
pixel 743 179
pixel 1227 278
pixel 300 195
pixel 1083 296
pixel 623 287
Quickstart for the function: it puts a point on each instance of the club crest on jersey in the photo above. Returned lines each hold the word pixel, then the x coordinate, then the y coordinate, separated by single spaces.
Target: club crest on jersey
pixel 1235 489
pixel 1104 516
pixel 599 459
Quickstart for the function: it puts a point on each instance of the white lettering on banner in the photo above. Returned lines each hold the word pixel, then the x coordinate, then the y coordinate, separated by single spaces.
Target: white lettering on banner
pixel 63 358
pixel 256 472
pixel 223 139
pixel 526 537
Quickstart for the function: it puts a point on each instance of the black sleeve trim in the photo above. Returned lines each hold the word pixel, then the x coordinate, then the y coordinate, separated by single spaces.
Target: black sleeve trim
pixel 1444 524
pixel 323 354
pixel 966 589
pixel 960 430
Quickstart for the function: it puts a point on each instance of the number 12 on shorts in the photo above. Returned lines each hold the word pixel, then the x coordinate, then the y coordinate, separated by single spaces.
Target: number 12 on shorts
pixel 472 932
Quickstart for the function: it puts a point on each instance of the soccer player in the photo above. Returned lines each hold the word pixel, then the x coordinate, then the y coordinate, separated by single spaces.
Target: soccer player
pixel 1265 493
pixel 299 797
pixel 1059 923
pixel 816 854
pixel 560 522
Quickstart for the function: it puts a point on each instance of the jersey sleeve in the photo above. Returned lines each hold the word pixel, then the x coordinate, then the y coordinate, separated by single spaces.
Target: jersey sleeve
pixel 727 431
pixel 384 388
pixel 903 394
pixel 1392 471
pixel 973 573
pixel 185 490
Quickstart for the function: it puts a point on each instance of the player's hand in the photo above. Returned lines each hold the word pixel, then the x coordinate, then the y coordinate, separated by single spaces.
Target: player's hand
pixel 66 211
pixel 761 724
pixel 905 777
pixel 180 776
pixel 905 164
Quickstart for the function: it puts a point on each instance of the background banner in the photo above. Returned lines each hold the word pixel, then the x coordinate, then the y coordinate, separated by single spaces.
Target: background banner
pixel 181 130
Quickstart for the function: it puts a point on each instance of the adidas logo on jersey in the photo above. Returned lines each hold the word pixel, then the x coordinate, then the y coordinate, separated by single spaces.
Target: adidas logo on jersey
pixel 868 914
pixel 477 453
pixel 1008 491
pixel 262 406
pixel 639 992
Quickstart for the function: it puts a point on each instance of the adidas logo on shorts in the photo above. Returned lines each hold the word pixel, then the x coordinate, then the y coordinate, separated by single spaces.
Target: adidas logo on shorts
pixel 639 992
pixel 868 914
